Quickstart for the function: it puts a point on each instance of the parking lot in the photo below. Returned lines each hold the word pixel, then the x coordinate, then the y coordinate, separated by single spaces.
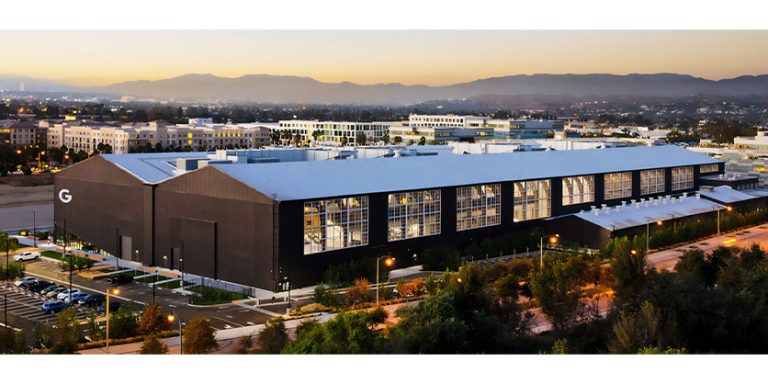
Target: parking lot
pixel 27 305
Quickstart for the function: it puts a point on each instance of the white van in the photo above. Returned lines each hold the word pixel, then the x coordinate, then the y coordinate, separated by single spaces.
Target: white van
pixel 26 256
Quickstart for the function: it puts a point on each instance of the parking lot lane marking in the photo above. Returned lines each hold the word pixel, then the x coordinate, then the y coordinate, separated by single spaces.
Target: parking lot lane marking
pixel 227 321
pixel 86 288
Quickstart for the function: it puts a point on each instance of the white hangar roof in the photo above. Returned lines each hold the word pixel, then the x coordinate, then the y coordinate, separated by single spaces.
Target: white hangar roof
pixel 320 179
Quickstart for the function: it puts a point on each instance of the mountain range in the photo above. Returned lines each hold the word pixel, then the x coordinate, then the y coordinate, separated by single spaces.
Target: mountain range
pixel 295 89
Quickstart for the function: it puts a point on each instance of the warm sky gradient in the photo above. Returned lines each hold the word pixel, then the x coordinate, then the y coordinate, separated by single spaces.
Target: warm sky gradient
pixel 367 57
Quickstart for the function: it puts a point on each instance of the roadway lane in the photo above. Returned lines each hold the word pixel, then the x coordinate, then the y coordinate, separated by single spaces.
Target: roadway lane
pixel 744 238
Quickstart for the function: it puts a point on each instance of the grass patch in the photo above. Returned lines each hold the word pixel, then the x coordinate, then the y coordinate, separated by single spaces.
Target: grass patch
pixel 211 296
pixel 52 255
pixel 148 279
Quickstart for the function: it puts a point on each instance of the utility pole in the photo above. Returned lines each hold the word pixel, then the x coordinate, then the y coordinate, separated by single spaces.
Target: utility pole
pixel 34 228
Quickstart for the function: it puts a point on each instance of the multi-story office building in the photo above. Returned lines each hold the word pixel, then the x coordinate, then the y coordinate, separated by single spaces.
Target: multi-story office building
pixel 476 127
pixel 437 134
pixel 22 133
pixel 259 222
pixel 198 135
pixel 330 132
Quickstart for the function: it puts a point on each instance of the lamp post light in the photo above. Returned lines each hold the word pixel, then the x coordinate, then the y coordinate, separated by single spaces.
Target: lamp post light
pixel 181 266
pixel 171 318
pixel 115 291
pixel 553 239
pixel 34 228
pixel 727 209
pixel 388 262
pixel 648 235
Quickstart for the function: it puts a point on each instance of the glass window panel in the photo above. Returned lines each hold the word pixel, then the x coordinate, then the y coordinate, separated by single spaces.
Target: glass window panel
pixel 682 178
pixel 651 181
pixel 578 189
pixel 617 185
pixel 478 206
pixel 413 214
pixel 335 224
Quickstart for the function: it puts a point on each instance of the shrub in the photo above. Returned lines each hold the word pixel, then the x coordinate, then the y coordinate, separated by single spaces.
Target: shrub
pixel 358 292
pixel 272 338
pixel 440 259
pixel 15 270
pixel 325 296
pixel 153 346
pixel 346 273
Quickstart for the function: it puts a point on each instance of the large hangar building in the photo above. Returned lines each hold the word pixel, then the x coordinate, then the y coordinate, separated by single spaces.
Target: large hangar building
pixel 255 219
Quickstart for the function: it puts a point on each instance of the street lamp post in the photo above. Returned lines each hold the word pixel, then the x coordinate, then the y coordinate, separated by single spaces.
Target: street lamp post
pixel 34 228
pixel 7 257
pixel 648 235
pixel 389 261
pixel 727 209
pixel 181 266
pixel 117 249
pixel 552 240
pixel 114 292
pixel 172 317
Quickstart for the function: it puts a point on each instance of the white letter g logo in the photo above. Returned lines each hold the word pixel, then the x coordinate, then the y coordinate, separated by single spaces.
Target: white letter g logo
pixel 64 196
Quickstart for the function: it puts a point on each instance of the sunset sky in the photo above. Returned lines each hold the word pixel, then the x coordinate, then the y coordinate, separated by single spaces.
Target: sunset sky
pixel 367 57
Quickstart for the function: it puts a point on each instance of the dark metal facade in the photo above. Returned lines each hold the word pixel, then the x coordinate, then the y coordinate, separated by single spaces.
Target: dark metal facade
pixel 223 229
pixel 109 208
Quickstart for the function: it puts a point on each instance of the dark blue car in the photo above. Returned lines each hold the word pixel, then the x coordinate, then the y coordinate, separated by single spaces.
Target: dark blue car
pixel 54 306
pixel 113 306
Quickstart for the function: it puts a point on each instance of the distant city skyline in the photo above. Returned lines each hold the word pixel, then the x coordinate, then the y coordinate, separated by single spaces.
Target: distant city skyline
pixel 94 58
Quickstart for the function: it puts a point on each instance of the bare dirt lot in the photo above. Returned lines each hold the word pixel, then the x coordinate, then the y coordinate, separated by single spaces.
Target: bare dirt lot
pixel 28 181
pixel 11 196
pixel 17 204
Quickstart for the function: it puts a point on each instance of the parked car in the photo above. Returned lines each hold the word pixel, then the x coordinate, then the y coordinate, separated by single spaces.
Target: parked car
pixel 50 288
pixel 38 286
pixel 120 278
pixel 91 300
pixel 65 293
pixel 26 256
pixel 24 281
pixel 55 292
pixel 113 306
pixel 53 306
pixel 75 297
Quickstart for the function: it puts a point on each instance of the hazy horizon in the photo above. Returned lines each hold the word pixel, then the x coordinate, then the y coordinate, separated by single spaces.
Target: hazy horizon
pixel 97 58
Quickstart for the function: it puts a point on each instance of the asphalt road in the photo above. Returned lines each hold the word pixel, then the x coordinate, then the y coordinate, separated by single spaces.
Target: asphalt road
pixel 742 239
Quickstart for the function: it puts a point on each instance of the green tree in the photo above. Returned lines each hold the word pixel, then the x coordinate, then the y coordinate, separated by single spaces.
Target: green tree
pixel 67 332
pixel 360 139
pixel 359 291
pixel 198 337
pixel 122 324
pixel 152 319
pixel 560 347
pixel 347 333
pixel 397 140
pixel 153 346
pixel 422 140
pixel 555 286
pixel 466 316
pixel 385 138
pixel 325 296
pixel 245 345
pixel 633 331
pixel 272 338
pixel 629 268
pixel 440 259
pixel 94 331
pixel 316 136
